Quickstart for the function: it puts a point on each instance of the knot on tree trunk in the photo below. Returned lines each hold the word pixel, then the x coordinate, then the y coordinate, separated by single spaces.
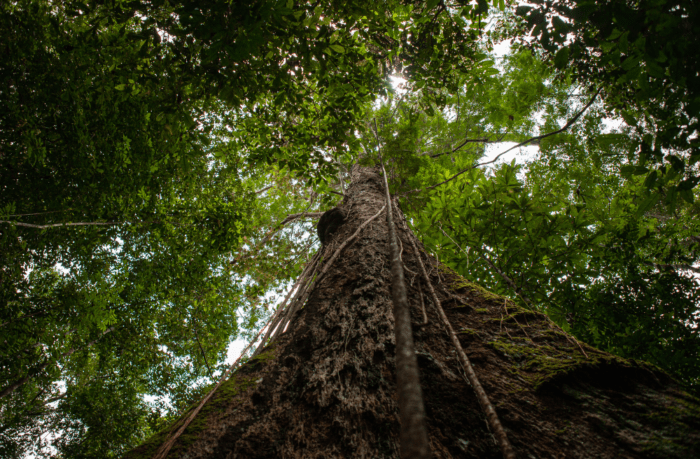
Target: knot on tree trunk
pixel 329 223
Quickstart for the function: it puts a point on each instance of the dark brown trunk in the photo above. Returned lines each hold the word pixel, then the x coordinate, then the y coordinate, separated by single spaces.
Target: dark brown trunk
pixel 326 388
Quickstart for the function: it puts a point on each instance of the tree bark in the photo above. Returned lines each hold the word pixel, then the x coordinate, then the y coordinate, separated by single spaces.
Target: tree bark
pixel 326 387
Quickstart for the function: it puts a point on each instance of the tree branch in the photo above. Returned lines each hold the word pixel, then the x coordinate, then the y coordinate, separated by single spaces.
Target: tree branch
pixel 268 236
pixel 264 189
pixel 203 353
pixel 57 225
pixel 659 266
pixel 530 140
pixel 457 148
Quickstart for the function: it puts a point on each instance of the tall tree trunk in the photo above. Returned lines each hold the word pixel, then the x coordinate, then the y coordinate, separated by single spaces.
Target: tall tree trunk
pixel 326 387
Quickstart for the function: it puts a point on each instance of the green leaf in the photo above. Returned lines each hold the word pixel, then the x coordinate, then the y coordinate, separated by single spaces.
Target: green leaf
pixel 629 170
pixel 651 179
pixel 629 119
pixel 687 195
pixel 523 10
pixel 120 87
pixel 560 24
pixel 676 162
pixel 649 202
pixel 671 196
pixel 561 58
pixel 688 184
pixel 338 49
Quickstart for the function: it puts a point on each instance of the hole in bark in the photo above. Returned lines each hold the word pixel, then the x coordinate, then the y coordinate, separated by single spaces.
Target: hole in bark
pixel 257 398
pixel 378 357
pixel 329 224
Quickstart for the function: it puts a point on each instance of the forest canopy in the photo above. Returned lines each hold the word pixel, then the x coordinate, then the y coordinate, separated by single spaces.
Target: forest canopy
pixel 151 153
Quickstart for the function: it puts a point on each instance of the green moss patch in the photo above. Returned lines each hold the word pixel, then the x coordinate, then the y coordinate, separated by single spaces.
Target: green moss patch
pixel 544 362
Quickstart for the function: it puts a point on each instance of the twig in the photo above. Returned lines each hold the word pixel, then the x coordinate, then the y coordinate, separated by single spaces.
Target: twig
pixel 491 416
pixel 270 233
pixel 457 148
pixel 264 189
pixel 196 336
pixel 58 225
pixel 37 213
pixel 521 144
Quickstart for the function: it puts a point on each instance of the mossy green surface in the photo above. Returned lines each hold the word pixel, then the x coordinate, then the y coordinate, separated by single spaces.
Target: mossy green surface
pixel 458 283
pixel 538 363
pixel 478 289
pixel 673 421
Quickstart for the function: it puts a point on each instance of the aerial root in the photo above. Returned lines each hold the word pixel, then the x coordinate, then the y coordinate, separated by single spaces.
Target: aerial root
pixel 492 419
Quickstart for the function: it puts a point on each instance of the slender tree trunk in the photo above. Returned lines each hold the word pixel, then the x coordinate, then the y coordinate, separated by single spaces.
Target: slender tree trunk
pixel 326 387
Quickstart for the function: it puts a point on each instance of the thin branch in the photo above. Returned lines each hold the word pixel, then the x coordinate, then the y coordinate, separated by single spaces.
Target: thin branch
pixel 196 336
pixel 264 189
pixel 268 236
pixel 57 225
pixel 530 140
pixel 659 266
pixel 457 148
pixel 37 213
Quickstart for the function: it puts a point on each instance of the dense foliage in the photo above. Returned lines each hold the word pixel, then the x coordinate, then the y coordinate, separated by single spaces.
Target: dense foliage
pixel 569 233
pixel 148 148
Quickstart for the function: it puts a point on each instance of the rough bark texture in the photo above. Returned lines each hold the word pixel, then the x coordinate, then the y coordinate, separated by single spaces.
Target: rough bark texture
pixel 326 388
